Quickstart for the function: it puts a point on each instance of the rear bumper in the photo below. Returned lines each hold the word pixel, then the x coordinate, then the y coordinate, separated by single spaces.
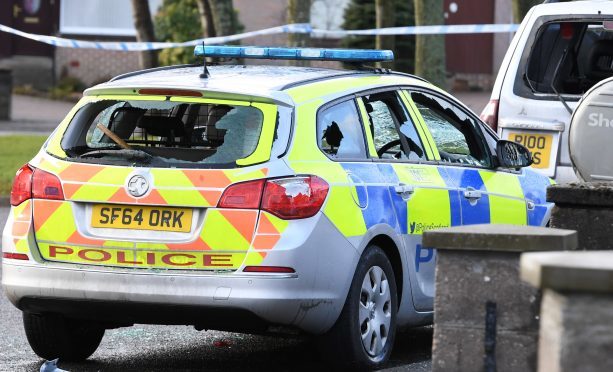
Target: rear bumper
pixel 147 298
pixel 310 300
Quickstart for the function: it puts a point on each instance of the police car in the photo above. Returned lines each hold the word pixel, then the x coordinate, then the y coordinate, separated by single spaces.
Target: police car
pixel 254 198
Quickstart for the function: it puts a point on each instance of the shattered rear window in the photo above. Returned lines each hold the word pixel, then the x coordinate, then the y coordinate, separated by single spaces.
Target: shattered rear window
pixel 163 133
pixel 569 58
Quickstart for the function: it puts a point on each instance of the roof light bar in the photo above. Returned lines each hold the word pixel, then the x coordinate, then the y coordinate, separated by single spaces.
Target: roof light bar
pixel 312 54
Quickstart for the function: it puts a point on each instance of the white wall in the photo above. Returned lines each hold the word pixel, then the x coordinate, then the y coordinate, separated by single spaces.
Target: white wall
pixel 328 14
pixel 99 17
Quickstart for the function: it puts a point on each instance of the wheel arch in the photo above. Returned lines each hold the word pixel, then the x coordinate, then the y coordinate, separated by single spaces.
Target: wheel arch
pixel 391 248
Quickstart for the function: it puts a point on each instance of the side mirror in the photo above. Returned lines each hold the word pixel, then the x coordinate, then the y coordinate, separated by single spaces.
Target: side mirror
pixel 513 155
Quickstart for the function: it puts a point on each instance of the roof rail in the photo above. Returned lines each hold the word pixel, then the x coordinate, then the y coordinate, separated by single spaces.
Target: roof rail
pixel 380 70
pixel 411 76
pixel 345 73
pixel 155 69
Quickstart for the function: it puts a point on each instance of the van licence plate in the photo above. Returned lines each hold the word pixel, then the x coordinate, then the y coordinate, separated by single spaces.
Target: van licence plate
pixel 141 218
pixel 538 144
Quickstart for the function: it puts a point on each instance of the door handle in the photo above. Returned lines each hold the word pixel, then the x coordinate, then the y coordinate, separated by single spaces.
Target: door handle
pixel 472 194
pixel 404 190
pixel 530 204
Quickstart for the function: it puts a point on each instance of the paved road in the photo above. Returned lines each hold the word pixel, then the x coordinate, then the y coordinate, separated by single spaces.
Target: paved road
pixel 181 348
pixel 34 115
pixel 476 101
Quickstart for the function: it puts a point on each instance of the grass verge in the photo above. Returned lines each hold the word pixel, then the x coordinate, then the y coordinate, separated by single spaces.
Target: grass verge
pixel 15 151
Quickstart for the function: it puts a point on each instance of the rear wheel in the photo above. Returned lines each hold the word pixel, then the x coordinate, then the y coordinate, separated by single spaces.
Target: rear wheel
pixel 53 336
pixel 363 336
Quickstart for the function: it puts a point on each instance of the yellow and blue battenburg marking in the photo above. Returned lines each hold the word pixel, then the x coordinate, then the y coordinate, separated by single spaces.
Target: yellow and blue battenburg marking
pixel 437 199
pixel 462 178
pixel 534 187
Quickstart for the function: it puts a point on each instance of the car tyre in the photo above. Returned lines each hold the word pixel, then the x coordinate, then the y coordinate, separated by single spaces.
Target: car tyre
pixel 363 336
pixel 53 336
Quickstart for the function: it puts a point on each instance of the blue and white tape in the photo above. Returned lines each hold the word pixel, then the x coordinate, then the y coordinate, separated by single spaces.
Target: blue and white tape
pixel 300 28
pixel 297 28
pixel 420 30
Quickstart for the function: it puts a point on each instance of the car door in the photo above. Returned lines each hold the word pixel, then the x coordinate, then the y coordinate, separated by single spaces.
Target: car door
pixel 420 197
pixel 487 194
pixel 366 202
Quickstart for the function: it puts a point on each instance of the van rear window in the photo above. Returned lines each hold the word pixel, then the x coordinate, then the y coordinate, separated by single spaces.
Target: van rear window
pixel 163 133
pixel 569 58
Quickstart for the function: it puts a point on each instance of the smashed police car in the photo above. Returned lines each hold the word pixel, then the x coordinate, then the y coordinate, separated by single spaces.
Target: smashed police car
pixel 251 198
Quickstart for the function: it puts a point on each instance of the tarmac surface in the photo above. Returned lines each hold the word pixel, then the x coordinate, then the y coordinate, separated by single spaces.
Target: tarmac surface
pixel 33 115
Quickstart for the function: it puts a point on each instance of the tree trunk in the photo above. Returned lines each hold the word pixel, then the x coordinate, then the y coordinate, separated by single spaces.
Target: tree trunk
pixel 430 49
pixel 206 18
pixel 521 8
pixel 223 16
pixel 144 32
pixel 386 14
pixel 299 11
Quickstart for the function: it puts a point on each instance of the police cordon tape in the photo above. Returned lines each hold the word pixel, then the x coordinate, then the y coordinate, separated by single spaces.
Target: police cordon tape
pixel 297 28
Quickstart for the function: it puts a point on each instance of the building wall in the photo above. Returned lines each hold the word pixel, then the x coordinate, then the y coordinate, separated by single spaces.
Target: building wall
pixel 93 66
pixel 469 56
pixel 503 14
pixel 256 15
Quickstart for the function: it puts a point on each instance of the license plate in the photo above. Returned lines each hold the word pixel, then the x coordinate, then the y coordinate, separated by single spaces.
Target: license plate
pixel 141 218
pixel 538 144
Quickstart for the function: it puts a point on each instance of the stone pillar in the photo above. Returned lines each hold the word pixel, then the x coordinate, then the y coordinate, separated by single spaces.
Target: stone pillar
pixel 485 317
pixel 6 89
pixel 586 207
pixel 576 332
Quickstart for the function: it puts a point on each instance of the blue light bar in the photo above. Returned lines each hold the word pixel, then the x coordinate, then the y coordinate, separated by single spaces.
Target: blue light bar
pixel 309 54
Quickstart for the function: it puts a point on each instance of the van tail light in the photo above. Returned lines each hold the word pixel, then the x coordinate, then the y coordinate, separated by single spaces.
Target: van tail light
pixel 46 186
pixel 287 198
pixel 490 114
pixel 22 185
pixel 35 183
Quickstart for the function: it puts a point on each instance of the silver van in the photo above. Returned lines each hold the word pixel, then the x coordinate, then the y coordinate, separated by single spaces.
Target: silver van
pixel 559 52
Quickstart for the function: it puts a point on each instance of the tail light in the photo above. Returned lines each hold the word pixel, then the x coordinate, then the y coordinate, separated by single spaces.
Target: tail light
pixel 46 186
pixel 286 198
pixel 490 114
pixel 35 183
pixel 22 185
pixel 297 197
pixel 245 195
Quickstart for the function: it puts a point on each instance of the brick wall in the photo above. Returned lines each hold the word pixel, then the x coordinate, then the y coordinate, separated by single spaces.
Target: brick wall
pixel 93 66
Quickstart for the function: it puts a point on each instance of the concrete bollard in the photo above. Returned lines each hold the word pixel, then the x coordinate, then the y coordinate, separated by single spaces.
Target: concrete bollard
pixel 485 318
pixel 586 207
pixel 6 89
pixel 576 332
